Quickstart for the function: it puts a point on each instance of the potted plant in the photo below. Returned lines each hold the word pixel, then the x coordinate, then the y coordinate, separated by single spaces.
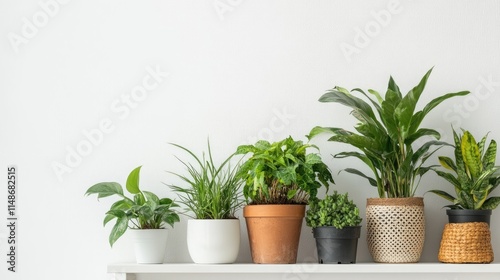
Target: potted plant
pixel 212 193
pixel 145 214
pixel 335 223
pixel 280 178
pixel 474 176
pixel 467 238
pixel 393 146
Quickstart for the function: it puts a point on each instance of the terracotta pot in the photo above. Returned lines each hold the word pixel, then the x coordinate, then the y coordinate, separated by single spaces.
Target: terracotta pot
pixel 395 229
pixel 274 232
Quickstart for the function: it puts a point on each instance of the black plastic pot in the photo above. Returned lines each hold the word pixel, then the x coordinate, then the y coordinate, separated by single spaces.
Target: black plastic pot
pixel 468 216
pixel 337 246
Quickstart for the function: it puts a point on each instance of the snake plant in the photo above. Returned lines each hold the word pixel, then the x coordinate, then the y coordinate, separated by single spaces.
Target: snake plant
pixel 388 134
pixel 474 175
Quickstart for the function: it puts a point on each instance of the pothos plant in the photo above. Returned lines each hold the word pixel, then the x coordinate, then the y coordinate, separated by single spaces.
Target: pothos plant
pixel 388 135
pixel 474 174
pixel 282 172
pixel 335 210
pixel 145 210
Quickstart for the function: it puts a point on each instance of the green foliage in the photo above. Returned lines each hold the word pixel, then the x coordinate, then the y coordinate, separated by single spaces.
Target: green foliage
pixel 334 210
pixel 474 174
pixel 388 135
pixel 282 172
pixel 144 211
pixel 211 192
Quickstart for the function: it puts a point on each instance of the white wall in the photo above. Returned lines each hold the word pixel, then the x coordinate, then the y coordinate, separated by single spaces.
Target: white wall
pixel 238 71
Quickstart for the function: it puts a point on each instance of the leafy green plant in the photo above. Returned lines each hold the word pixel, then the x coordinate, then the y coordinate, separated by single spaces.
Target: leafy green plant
pixel 144 211
pixel 388 134
pixel 335 210
pixel 212 191
pixel 475 174
pixel 282 172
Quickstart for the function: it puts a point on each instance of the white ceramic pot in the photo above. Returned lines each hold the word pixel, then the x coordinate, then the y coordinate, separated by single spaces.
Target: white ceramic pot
pixel 149 244
pixel 213 241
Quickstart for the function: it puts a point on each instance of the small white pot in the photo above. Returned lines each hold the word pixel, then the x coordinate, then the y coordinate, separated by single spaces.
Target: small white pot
pixel 213 241
pixel 149 244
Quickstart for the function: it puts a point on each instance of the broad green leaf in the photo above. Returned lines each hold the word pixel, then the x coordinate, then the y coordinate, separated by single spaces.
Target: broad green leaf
pixel 459 159
pixel 471 156
pixel 244 149
pixel 105 189
pixel 133 181
pixel 491 203
pixel 482 143
pixel 313 159
pixel 388 115
pixel 490 155
pixel 394 88
pixel 420 115
pixel 170 218
pixel 377 95
pixel 425 148
pixel 348 100
pixel 355 140
pixel 447 163
pixel 443 194
pixel 421 133
pixel 343 90
pixel 123 205
pixel 406 108
pixel 151 197
pixel 448 177
pixel 320 130
pixel 118 230
pixel 262 145
pixel 108 218
pixel 139 199
pixel 167 201
pixel 372 181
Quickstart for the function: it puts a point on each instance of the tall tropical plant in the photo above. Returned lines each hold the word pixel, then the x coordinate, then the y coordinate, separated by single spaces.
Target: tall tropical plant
pixel 388 134
pixel 475 174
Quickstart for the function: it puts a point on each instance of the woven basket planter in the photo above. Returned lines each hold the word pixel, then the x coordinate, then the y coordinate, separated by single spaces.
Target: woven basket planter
pixel 466 243
pixel 395 229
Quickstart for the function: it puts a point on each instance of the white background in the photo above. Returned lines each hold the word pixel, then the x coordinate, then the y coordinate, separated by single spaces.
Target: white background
pixel 238 71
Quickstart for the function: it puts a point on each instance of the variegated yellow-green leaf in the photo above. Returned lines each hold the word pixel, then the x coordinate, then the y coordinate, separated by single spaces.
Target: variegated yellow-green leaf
pixel 471 155
pixel 447 163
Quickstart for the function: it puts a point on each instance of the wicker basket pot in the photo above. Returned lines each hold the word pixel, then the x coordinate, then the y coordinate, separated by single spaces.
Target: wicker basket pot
pixel 466 243
pixel 395 229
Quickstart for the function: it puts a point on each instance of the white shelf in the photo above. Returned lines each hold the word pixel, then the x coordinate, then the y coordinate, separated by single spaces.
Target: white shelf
pixel 308 268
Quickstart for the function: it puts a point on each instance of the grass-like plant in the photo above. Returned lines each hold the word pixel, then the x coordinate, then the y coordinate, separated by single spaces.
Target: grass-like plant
pixel 282 172
pixel 212 191
pixel 388 135
pixel 144 211
pixel 335 210
pixel 474 175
